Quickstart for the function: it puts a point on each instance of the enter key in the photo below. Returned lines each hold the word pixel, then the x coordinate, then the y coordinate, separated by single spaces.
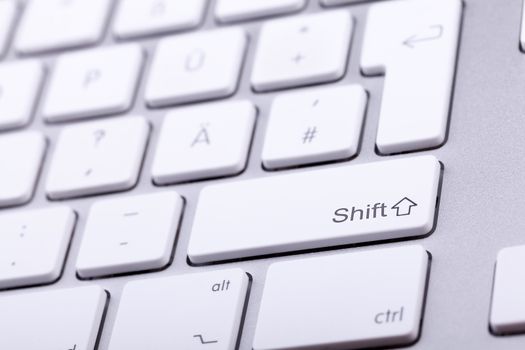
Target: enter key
pixel 414 44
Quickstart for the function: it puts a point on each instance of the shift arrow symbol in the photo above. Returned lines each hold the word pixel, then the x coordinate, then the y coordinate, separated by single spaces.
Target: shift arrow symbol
pixel 404 207
pixel 432 33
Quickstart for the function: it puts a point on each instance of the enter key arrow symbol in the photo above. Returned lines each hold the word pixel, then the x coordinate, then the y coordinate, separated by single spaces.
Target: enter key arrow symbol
pixel 433 32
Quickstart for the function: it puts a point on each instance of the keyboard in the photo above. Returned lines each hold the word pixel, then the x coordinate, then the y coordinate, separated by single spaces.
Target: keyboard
pixel 264 174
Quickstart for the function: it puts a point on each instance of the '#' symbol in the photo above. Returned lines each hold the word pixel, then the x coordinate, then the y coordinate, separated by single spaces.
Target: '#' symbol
pixel 203 341
pixel 310 134
pixel 404 207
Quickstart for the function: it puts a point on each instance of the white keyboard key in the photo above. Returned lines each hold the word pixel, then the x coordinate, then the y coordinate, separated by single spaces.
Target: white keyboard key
pixel 21 156
pixel 97 157
pixel 341 2
pixel 93 82
pixel 346 301
pixel 137 18
pixel 302 50
pixel 196 67
pixel 190 312
pixel 204 142
pixel 33 245
pixel 360 203
pixel 238 10
pixel 64 319
pixel 507 314
pixel 20 84
pixel 314 126
pixel 8 9
pixel 129 234
pixel 414 43
pixel 44 23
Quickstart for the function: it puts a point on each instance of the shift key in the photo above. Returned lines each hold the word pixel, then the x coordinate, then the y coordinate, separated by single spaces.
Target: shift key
pixel 377 201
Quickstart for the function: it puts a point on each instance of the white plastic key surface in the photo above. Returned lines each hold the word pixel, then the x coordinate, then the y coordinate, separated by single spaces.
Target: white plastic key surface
pixel 302 50
pixel 190 312
pixel 20 84
pixel 341 2
pixel 361 203
pixel 137 18
pixel 21 156
pixel 346 301
pixel 313 126
pixel 7 19
pixel 59 24
pixel 93 82
pixel 97 157
pixel 194 67
pixel 33 245
pixel 238 10
pixel 204 142
pixel 129 234
pixel 414 43
pixel 507 314
pixel 63 319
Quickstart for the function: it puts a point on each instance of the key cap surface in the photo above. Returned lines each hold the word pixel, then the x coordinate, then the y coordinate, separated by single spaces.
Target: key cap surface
pixel 33 245
pixel 314 125
pixel 204 142
pixel 50 320
pixel 97 157
pixel 507 314
pixel 7 20
pixel 196 67
pixel 238 10
pixel 302 50
pixel 190 312
pixel 346 301
pixel 43 24
pixel 360 203
pixel 129 234
pixel 93 82
pixel 341 2
pixel 414 43
pixel 21 156
pixel 20 84
pixel 137 18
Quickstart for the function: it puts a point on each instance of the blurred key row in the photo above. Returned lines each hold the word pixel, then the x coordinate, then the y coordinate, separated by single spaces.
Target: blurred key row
pixel 41 23
pixel 290 52
pixel 185 68
pixel 195 143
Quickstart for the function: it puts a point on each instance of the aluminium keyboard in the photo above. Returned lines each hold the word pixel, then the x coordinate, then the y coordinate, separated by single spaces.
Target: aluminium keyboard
pixel 264 174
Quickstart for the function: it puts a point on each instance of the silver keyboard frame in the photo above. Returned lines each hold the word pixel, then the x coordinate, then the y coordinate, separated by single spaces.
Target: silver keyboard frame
pixel 481 199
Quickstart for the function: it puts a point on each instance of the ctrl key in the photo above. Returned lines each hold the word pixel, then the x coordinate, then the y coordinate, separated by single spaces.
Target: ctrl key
pixel 345 301
pixel 52 320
